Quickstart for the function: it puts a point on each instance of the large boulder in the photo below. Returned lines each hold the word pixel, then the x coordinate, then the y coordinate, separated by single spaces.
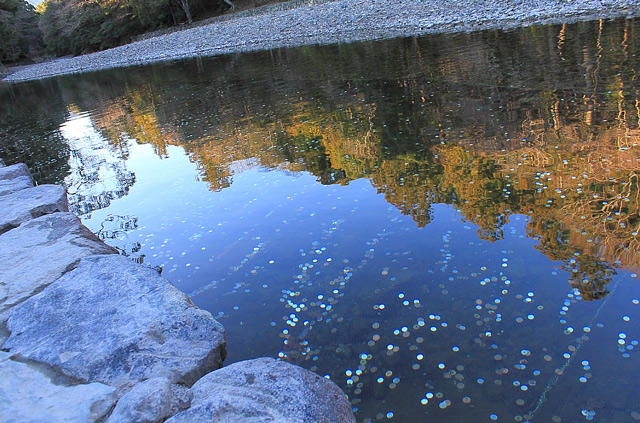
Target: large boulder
pixel 35 254
pixel 29 396
pixel 26 204
pixel 14 178
pixel 265 390
pixel 113 321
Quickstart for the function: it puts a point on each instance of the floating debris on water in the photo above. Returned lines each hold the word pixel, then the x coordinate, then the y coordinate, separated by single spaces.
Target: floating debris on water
pixel 588 414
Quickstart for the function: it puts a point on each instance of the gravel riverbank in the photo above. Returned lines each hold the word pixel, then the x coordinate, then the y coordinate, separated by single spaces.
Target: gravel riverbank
pixel 333 22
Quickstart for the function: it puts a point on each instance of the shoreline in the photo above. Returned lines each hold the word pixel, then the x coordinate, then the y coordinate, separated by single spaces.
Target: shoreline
pixel 337 21
pixel 89 336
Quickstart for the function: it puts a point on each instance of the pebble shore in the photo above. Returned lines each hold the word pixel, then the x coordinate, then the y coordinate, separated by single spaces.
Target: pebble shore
pixel 333 22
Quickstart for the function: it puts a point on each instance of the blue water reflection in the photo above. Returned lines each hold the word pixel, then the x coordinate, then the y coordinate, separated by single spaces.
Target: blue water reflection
pixel 447 227
pixel 410 321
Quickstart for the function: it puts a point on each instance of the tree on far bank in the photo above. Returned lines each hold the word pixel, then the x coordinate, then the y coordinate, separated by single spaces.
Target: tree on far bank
pixel 83 26
pixel 19 34
pixel 185 6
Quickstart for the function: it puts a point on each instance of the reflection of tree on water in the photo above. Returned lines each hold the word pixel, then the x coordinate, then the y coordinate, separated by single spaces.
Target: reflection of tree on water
pixel 589 273
pixel 29 121
pixel 97 175
pixel 558 142
pixel 115 229
pixel 591 277
pixel 83 203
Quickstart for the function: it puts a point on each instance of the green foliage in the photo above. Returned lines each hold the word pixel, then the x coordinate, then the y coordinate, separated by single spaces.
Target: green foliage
pixel 10 5
pixel 19 34
pixel 152 14
pixel 84 32
pixel 82 26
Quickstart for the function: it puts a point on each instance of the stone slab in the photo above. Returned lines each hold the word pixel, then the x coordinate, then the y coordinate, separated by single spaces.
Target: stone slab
pixel 14 178
pixel 24 205
pixel 265 390
pixel 148 402
pixel 12 185
pixel 113 321
pixel 28 396
pixel 11 172
pixel 35 254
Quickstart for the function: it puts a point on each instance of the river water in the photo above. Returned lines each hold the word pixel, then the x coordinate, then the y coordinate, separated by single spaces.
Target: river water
pixel 446 226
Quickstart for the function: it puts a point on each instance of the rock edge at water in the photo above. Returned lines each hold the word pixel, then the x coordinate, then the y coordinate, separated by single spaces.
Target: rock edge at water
pixel 272 390
pixel 333 22
pixel 88 336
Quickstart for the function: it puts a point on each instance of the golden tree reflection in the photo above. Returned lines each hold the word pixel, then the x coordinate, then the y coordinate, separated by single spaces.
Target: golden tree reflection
pixel 474 128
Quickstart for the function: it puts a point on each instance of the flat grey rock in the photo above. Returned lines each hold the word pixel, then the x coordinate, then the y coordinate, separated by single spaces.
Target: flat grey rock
pixel 113 321
pixel 35 254
pixel 28 396
pixel 148 402
pixel 14 178
pixel 265 390
pixel 14 171
pixel 24 205
pixel 12 185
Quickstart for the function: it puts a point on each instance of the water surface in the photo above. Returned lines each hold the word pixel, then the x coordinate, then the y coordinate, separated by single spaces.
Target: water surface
pixel 445 226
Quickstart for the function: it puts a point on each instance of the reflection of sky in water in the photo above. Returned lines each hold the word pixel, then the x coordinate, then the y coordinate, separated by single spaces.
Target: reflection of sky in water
pixel 95 173
pixel 413 323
